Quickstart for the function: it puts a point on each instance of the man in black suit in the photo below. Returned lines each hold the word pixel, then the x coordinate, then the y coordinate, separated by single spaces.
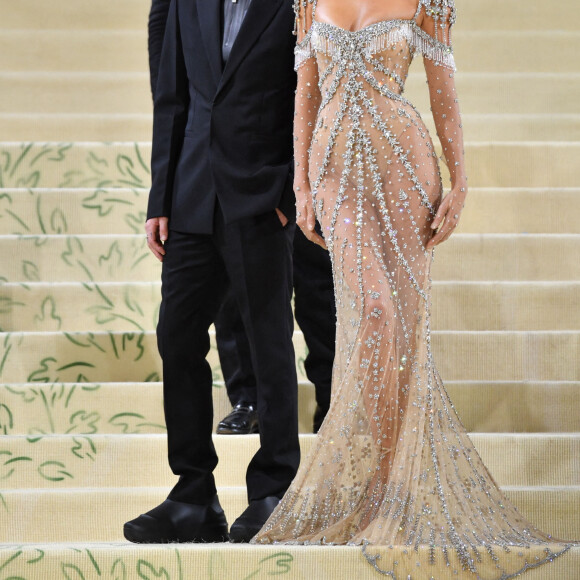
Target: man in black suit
pixel 314 305
pixel 220 215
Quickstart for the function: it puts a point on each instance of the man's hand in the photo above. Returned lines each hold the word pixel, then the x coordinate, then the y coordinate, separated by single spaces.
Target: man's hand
pixel 157 231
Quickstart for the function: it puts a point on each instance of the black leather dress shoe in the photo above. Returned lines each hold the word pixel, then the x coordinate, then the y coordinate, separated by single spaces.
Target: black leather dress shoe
pixel 177 522
pixel 252 519
pixel 243 420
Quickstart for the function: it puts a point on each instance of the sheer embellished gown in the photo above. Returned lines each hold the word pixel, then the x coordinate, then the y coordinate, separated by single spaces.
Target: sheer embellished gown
pixel 392 465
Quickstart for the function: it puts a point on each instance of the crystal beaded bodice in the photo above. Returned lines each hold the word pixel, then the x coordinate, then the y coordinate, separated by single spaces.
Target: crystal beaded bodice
pixel 381 52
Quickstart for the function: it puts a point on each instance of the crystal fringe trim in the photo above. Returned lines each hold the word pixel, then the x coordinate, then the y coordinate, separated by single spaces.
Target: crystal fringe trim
pixel 302 52
pixel 330 40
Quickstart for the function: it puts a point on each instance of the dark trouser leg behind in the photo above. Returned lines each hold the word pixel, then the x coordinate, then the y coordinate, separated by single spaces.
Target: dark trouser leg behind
pixel 236 363
pixel 316 315
pixel 234 352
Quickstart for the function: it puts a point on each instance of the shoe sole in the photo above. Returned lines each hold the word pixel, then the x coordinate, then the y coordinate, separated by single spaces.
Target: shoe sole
pixel 222 431
pixel 210 538
pixel 241 539
pixel 243 536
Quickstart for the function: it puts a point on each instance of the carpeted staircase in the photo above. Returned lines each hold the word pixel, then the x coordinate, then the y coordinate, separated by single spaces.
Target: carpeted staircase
pixel 83 446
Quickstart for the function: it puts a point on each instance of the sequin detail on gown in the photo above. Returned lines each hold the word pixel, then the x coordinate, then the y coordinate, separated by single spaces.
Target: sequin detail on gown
pixel 392 464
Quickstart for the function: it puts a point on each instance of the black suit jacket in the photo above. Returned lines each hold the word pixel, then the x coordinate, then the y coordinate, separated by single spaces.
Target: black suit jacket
pixel 223 134
pixel 156 31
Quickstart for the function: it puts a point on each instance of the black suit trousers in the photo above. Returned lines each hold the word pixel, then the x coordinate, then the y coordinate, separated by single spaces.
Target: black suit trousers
pixel 253 257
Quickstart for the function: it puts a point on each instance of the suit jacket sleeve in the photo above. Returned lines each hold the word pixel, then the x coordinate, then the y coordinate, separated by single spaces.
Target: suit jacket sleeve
pixel 156 29
pixel 169 118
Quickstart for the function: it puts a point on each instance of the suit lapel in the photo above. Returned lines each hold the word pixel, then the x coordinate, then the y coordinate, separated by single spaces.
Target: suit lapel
pixel 209 19
pixel 259 15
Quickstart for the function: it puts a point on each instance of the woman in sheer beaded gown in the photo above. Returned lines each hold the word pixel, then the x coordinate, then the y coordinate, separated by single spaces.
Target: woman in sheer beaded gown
pixel 392 464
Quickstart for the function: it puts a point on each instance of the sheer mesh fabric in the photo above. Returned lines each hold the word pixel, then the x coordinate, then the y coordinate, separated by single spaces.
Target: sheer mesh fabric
pixel 392 464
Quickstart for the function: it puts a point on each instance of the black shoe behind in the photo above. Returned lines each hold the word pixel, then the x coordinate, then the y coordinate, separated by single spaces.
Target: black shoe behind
pixel 252 519
pixel 179 522
pixel 242 420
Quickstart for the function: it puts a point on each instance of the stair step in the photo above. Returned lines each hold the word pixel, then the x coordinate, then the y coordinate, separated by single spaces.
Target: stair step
pixel 129 92
pixel 75 165
pixel 76 306
pixel 85 164
pixel 79 258
pixel 506 305
pixel 232 561
pixel 478 49
pixel 117 461
pixel 80 15
pixel 464 257
pixel 75 92
pixel 517 406
pixel 97 515
pixel 520 210
pixel 55 357
pixel 513 15
pixel 529 164
pixel 139 126
pixel 505 92
pixel 518 127
pixel 78 50
pixel 107 211
pixel 102 50
pixel 123 306
pixel 123 210
pixel 507 257
pixel 85 408
pixel 132 15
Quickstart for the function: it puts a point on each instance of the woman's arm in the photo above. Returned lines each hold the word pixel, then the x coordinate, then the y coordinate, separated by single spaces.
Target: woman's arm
pixel 307 102
pixel 445 110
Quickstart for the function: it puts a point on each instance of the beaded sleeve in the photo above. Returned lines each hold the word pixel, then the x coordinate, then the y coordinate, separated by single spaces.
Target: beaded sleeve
pixel 438 16
pixel 308 96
